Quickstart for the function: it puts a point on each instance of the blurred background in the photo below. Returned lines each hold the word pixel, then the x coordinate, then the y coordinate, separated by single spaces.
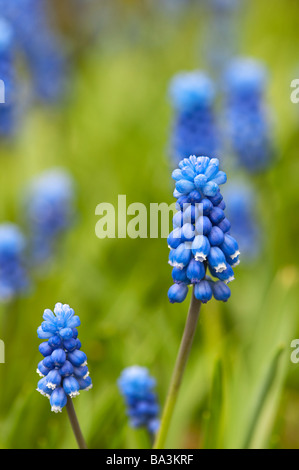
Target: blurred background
pixel 87 98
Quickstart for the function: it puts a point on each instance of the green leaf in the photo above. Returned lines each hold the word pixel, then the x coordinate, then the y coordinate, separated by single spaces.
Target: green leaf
pixel 212 433
pixel 262 396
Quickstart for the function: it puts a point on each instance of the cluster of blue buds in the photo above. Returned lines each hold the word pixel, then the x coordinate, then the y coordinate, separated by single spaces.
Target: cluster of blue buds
pixel 200 239
pixel 49 211
pixel 241 205
pixel 194 130
pixel 13 274
pixel 8 80
pixel 136 386
pixel 246 117
pixel 64 368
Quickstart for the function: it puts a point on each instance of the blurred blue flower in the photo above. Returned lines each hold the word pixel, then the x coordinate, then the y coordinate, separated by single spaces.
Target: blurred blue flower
pixel 13 274
pixel 49 210
pixel 241 204
pixel 194 129
pixel 247 121
pixel 137 388
pixel 40 44
pixel 64 368
pixel 221 33
pixel 8 80
pixel 223 5
pixel 202 242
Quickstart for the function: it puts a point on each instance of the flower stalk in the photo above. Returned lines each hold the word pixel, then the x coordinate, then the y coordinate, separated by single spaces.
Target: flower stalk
pixel 180 365
pixel 75 424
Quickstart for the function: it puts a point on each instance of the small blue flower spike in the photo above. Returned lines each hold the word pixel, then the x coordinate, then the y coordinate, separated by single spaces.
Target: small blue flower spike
pixel 64 368
pixel 39 43
pixel 49 211
pixel 247 120
pixel 13 273
pixel 8 80
pixel 241 204
pixel 194 129
pixel 137 388
pixel 209 245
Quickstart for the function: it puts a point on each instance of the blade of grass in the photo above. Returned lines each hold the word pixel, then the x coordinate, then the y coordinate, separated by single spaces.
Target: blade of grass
pixel 212 432
pixel 262 396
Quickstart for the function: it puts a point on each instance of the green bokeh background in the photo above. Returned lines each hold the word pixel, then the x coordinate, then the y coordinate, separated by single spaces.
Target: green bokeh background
pixel 112 135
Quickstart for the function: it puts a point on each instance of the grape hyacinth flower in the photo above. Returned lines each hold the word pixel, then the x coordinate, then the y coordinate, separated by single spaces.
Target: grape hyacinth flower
pixel 13 273
pixel 200 239
pixel 194 130
pixel 40 44
pixel 241 204
pixel 247 121
pixel 199 242
pixel 8 80
pixel 137 388
pixel 49 211
pixel 64 368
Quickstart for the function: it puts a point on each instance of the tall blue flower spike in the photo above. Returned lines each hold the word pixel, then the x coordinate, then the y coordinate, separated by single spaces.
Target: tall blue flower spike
pixel 14 279
pixel 8 80
pixel 194 130
pixel 40 45
pixel 202 240
pixel 49 211
pixel 43 50
pixel 247 121
pixel 64 368
pixel 241 204
pixel 137 388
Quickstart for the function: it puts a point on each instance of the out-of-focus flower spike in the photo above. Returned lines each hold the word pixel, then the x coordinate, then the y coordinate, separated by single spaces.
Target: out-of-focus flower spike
pixel 137 388
pixel 194 129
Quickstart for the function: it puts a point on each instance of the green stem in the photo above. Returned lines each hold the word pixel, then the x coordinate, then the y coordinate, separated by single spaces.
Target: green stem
pixel 178 372
pixel 75 424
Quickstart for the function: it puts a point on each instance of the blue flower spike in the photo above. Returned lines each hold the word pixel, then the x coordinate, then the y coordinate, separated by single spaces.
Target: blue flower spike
pixel 8 80
pixel 137 388
pixel 241 210
pixel 13 272
pixel 195 131
pixel 49 209
pixel 211 247
pixel 248 126
pixel 41 46
pixel 64 368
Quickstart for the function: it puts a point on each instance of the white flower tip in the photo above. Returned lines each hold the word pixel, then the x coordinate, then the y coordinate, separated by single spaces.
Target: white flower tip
pixel 86 375
pixel 74 394
pixel 178 265
pixel 87 388
pixel 200 257
pixel 236 264
pixel 220 268
pixel 51 385
pixel 236 254
pixel 39 373
pixel 230 279
pixel 56 409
